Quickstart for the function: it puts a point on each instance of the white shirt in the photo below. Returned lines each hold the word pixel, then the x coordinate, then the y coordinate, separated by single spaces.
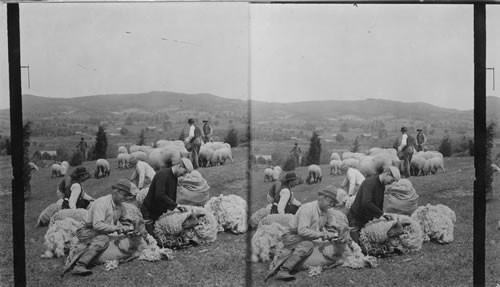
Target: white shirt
pixel 191 134
pixel 76 189
pixel 284 197
pixel 403 142
pixel 353 177
pixel 142 170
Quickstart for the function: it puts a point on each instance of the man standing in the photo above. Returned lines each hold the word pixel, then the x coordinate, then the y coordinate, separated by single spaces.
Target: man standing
pixel 82 148
pixel 307 225
pixel 143 173
pixel 207 132
pixel 369 200
pixel 421 140
pixel 101 220
pixel 405 151
pixel 162 194
pixel 296 152
pixel 194 142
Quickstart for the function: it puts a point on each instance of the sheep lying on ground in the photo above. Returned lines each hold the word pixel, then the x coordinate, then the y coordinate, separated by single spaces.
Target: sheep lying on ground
pixel 47 213
pixel 102 168
pixel 265 240
pixel 230 211
pixel 314 175
pixel 58 237
pixel 437 222
pixel 123 160
pixel 78 214
pixel 258 216
pixel 382 237
pixel 335 167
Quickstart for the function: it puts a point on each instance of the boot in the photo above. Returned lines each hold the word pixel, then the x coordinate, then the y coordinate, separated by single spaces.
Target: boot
pixel 287 267
pixel 81 270
pixel 84 261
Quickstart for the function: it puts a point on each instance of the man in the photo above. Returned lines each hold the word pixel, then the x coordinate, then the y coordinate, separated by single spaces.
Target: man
pixel 296 152
pixel 421 140
pixel 369 200
pixel 307 225
pixel 194 142
pixel 143 173
pixel 101 220
pixel 353 179
pixel 405 151
pixel 70 189
pixel 207 132
pixel 162 194
pixel 82 148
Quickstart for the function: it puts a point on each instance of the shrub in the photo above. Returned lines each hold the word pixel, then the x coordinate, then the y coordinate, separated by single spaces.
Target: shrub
pixel 101 144
pixel 76 159
pixel 339 138
pixel 355 145
pixel 260 160
pixel 36 157
pixel 289 164
pixel 277 158
pixel 124 131
pixel 445 147
pixel 62 154
pixel 142 138
pixel 314 152
pixel 232 137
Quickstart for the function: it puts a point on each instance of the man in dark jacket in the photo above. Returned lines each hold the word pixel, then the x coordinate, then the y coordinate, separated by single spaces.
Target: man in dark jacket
pixel 162 194
pixel 369 200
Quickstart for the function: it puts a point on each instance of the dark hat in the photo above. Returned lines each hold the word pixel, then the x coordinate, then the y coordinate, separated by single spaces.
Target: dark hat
pixel 404 129
pixel 419 130
pixel 296 143
pixel 289 176
pixel 205 121
pixel 79 171
pixel 191 121
pixel 329 191
pixel 123 185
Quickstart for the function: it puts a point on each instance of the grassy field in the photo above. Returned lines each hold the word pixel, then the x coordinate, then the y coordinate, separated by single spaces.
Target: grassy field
pixel 223 263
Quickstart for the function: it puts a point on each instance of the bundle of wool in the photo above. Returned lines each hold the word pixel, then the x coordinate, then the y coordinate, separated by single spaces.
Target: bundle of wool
pixel 193 189
pixel 230 211
pixel 437 222
pixel 355 259
pixel 258 216
pixel 412 237
pixel 78 214
pixel 47 213
pixel 59 237
pixel 285 220
pixel 265 240
pixel 401 198
pixel 152 252
pixel 207 226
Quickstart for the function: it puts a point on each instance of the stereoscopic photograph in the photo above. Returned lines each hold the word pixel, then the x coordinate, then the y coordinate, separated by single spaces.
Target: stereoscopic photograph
pixel 250 144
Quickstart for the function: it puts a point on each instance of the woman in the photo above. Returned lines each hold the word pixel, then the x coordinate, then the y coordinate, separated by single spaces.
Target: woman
pixel 284 201
pixel 71 189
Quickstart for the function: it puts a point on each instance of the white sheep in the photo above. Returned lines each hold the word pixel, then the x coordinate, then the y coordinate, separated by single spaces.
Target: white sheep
pixel 268 174
pixel 205 155
pixel 123 160
pixel 258 216
pixel 78 214
pixel 230 211
pixel 140 155
pixel 314 175
pixel 335 156
pixel 431 154
pixel 417 164
pixel 335 167
pixel 432 165
pixel 217 145
pixel 102 168
pixel 144 148
pixel 437 222
pixel 122 149
pixel 351 162
pixel 59 237
pixel 58 170
pixel 265 240
pixel 163 157
pixel 221 155
pixel 33 166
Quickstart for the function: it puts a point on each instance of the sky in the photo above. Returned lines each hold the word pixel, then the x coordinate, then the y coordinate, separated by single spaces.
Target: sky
pixel 270 52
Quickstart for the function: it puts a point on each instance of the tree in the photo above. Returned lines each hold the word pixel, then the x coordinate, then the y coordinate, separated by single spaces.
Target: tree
pixel 101 144
pixel 76 158
pixel 344 128
pixel 142 138
pixel 355 145
pixel 26 160
pixel 232 137
pixel 314 152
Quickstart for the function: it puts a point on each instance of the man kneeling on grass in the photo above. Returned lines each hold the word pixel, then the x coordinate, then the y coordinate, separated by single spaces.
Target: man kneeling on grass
pixel 101 220
pixel 308 225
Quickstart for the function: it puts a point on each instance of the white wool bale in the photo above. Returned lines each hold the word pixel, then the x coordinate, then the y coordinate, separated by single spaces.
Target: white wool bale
pixel 265 240
pixel 437 222
pixel 59 236
pixel 78 214
pixel 230 211
pixel 47 213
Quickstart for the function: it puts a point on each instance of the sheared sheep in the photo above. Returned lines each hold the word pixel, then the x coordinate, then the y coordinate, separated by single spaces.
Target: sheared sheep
pixel 335 167
pixel 58 170
pixel 102 168
pixel 230 211
pixel 437 222
pixel 217 145
pixel 314 175
pixel 221 155
pixel 335 156
pixel 431 154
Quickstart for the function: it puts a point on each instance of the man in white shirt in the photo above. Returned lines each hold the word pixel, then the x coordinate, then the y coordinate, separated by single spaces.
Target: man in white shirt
pixel 405 152
pixel 194 142
pixel 143 173
pixel 353 179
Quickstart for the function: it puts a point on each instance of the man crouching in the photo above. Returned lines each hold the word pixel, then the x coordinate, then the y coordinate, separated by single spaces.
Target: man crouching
pixel 308 225
pixel 101 220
